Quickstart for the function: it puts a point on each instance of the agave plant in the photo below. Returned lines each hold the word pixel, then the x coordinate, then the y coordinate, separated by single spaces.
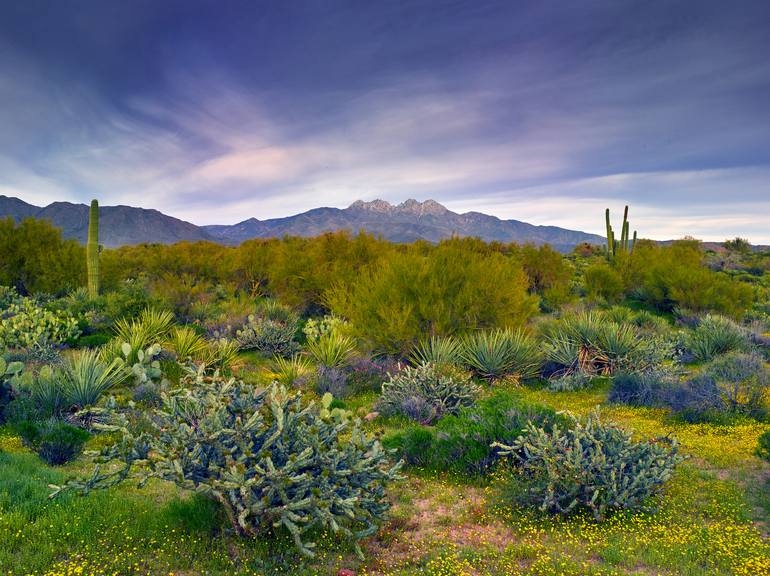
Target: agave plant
pixel 495 354
pixel 437 350
pixel 186 343
pixel 332 350
pixel 87 377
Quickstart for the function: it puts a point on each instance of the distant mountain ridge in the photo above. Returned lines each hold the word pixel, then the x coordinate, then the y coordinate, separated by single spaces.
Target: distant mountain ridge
pixel 406 222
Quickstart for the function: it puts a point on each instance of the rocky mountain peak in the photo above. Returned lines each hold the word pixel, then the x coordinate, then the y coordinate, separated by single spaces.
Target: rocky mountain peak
pixel 374 206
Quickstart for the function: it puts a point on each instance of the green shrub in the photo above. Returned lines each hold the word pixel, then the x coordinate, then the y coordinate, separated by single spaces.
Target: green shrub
pixel 9 374
pixel 570 382
pixel 270 461
pixel 222 354
pixel 590 465
pixel 426 392
pixel 315 328
pixel 603 282
pixel 743 381
pixel 500 353
pixel 763 446
pixel 715 335
pixel 456 287
pixel 650 388
pixel 54 441
pixel 271 337
pixel 25 323
pixel 150 328
pixel 463 442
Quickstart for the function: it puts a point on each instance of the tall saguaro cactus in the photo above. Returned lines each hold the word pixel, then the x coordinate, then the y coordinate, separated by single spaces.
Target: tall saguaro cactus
pixel 625 244
pixel 92 250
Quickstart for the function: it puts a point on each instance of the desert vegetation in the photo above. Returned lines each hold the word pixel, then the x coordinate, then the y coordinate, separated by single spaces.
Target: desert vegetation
pixel 346 405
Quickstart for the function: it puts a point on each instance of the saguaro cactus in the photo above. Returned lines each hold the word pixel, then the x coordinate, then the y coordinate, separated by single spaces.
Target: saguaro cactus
pixel 92 250
pixel 625 244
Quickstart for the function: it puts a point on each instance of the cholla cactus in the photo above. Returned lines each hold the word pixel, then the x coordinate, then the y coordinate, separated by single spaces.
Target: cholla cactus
pixel 591 465
pixel 266 458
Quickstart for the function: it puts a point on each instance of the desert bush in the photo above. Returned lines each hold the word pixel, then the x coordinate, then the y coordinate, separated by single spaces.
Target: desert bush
pixel 715 335
pixel 440 291
pixel 268 460
pixel 271 332
pixel 436 350
pixel 500 353
pixel 332 380
pixel 367 375
pixel 426 392
pixel 603 283
pixel 54 441
pixel 743 381
pixel 590 465
pixel 763 446
pixel 332 350
pixel 9 374
pixel 150 328
pixel 698 399
pixel 463 442
pixel 650 388
pixel 25 323
pixel 570 382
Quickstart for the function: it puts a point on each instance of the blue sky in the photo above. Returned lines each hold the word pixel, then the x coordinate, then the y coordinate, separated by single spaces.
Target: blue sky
pixel 543 111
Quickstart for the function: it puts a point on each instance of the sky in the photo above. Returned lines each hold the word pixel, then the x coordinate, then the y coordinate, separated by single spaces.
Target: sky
pixel 543 111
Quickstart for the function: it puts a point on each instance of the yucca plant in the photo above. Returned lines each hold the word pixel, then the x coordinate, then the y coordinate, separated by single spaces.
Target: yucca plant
pixel 495 354
pixel 222 354
pixel 151 327
pixel 47 392
pixel 86 377
pixel 186 343
pixel 716 335
pixel 331 350
pixel 437 350
pixel 291 370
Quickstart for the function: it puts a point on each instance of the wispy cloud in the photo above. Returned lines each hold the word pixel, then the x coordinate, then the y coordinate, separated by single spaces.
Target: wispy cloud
pixel 539 128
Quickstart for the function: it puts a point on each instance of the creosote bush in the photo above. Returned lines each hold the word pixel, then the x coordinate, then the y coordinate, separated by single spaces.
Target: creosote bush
pixel 591 465
pixel 270 461
pixel 427 392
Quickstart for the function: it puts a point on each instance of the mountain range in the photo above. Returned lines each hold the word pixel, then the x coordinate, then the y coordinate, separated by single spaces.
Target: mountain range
pixel 406 222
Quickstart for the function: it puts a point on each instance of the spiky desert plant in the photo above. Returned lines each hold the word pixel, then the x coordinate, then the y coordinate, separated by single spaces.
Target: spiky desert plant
pixel 222 354
pixel 291 370
pixel 332 349
pixel 186 343
pixel 151 327
pixel 498 353
pixel 92 250
pixel 590 465
pixel 86 377
pixel 269 460
pixel 716 335
pixel 437 350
